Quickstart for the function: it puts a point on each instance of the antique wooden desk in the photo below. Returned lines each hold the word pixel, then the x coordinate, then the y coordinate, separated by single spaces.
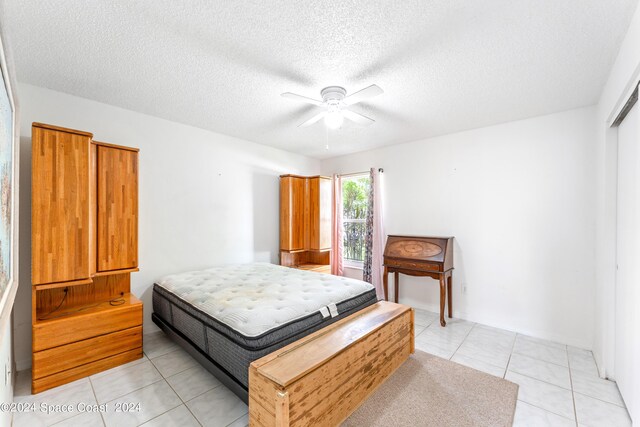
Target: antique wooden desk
pixel 420 256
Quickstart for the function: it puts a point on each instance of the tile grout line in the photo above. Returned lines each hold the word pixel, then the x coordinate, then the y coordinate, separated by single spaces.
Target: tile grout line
pixel 104 423
pixel 163 354
pixel 194 397
pixel 237 419
pixel 603 401
pixel 163 378
pixel 170 409
pixel 175 373
pixel 479 360
pixel 538 379
pixel 183 403
pixel 541 341
pixel 545 410
pixel 131 391
pixel 134 390
pixel 573 393
pixel 506 368
pixel 542 360
pixel 117 369
pixel 438 347
pixel 463 340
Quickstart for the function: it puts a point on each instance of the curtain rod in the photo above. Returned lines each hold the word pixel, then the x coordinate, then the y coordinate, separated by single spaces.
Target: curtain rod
pixel 359 173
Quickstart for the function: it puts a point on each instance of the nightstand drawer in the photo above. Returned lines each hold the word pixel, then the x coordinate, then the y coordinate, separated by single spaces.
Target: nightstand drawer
pixel 68 356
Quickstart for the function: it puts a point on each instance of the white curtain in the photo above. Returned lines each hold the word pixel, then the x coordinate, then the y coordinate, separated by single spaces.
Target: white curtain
pixel 337 243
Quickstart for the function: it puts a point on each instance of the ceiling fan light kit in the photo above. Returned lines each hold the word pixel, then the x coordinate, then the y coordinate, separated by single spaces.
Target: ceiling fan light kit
pixel 334 119
pixel 335 104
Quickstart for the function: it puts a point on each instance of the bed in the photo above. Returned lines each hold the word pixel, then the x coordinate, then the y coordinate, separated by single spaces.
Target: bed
pixel 230 316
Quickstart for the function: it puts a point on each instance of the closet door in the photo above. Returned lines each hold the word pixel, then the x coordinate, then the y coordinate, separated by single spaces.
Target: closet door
pixel 627 329
pixel 117 225
pixel 59 205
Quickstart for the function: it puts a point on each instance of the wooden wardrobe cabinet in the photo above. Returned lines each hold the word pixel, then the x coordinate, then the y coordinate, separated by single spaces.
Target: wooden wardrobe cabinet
pixel 84 239
pixel 293 213
pixel 305 222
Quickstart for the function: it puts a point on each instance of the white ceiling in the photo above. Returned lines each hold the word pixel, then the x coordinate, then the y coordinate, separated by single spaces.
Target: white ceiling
pixel 445 66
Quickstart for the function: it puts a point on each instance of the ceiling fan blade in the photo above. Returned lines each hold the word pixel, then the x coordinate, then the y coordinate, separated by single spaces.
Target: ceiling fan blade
pixel 361 95
pixel 358 118
pixel 301 98
pixel 313 119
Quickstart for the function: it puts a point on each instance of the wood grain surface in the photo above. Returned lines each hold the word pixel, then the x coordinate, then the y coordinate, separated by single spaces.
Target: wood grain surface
pixel 86 322
pixel 60 186
pixel 117 228
pixel 58 359
pixel 324 377
pixel 45 383
pixel 99 289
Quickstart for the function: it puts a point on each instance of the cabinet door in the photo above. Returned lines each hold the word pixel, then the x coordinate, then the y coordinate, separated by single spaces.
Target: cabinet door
pixel 319 213
pixel 59 206
pixel 293 213
pixel 117 225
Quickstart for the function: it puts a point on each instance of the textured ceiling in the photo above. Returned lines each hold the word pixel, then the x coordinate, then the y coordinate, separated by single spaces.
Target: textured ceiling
pixel 445 66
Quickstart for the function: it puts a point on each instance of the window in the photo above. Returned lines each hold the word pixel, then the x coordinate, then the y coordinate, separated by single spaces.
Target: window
pixel 355 193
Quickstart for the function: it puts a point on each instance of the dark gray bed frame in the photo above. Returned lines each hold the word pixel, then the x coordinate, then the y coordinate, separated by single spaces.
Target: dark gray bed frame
pixel 216 370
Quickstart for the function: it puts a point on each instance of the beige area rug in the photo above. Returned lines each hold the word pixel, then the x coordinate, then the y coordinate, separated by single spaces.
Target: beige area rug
pixel 429 391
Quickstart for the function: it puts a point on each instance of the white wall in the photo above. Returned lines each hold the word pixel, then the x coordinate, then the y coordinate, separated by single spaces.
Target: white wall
pixel 205 198
pixel 519 199
pixel 624 74
pixel 6 372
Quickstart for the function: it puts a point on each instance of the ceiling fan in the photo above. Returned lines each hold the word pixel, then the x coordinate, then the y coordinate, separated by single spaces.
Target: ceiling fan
pixel 336 105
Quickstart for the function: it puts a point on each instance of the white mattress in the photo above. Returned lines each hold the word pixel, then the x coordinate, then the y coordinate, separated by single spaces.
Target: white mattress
pixel 256 298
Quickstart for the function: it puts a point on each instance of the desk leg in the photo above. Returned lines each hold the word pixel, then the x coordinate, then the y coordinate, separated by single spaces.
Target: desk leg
pixel 449 294
pixel 443 296
pixel 385 283
pixel 396 283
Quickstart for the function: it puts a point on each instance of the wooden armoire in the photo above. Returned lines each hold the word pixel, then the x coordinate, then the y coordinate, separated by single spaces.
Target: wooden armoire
pixel 84 245
pixel 305 222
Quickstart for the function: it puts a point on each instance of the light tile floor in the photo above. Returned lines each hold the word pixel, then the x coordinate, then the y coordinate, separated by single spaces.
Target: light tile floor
pixel 559 385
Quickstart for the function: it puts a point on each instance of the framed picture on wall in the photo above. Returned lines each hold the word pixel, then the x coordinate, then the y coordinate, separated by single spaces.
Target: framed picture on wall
pixel 8 192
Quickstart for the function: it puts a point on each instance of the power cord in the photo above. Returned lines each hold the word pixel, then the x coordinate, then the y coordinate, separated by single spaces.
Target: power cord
pixel 64 297
pixel 117 301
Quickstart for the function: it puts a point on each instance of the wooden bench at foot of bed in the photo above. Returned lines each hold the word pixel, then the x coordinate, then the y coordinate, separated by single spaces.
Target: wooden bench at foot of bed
pixel 321 379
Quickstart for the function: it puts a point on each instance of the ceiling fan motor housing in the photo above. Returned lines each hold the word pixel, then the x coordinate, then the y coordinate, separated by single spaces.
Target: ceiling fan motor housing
pixel 333 95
